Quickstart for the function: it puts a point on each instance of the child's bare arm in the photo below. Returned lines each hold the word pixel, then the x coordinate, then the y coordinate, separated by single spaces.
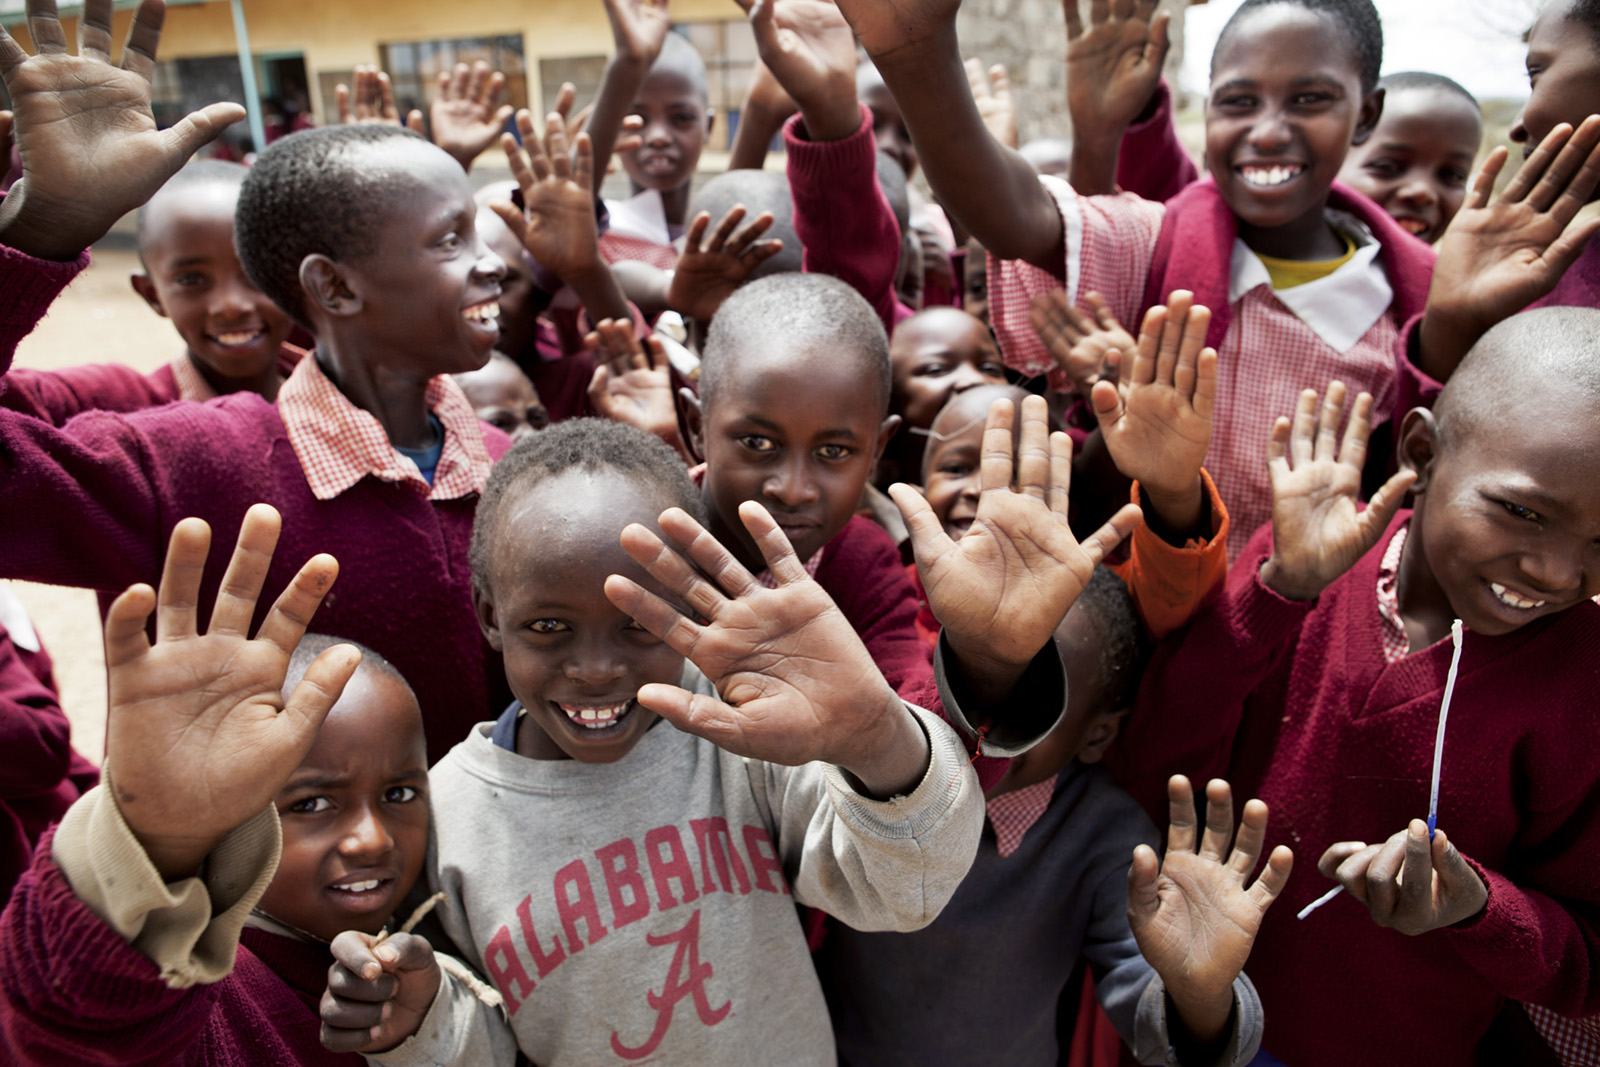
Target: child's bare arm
pixel 198 736
pixel 989 189
pixel 808 47
pixel 1497 258
pixel 638 30
pixel 767 106
pixel 465 115
pixel 633 387
pixel 795 682
pixel 1318 533
pixel 709 271
pixel 1193 914
pixel 90 147
pixel 557 224
pixel 1113 67
pixel 1156 419
pixel 1003 588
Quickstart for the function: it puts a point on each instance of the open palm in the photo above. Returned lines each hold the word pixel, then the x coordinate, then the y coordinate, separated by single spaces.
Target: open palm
pixel 1114 63
pixel 466 115
pixel 556 224
pixel 709 270
pixel 1195 918
pixel 89 144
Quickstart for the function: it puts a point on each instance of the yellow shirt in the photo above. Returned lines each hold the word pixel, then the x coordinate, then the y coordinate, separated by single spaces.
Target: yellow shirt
pixel 1288 273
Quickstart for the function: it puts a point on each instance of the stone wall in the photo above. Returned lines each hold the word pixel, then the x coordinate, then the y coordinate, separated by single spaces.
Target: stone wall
pixel 1030 38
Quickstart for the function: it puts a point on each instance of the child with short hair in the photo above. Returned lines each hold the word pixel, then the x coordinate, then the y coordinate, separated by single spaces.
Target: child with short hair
pixel 235 337
pixel 594 643
pixel 164 920
pixel 1416 162
pixel 1321 675
pixel 1273 163
pixel 365 233
pixel 502 396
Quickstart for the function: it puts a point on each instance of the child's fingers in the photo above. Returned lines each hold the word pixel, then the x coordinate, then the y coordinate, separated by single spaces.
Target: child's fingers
pixel 1142 874
pixel 1252 835
pixel 1143 371
pixel 668 566
pixel 697 232
pixel 315 695
pixel 555 147
pixel 657 354
pixel 1273 877
pixel 1304 430
pixel 1483 185
pixel 1033 453
pixel 583 162
pixel 1173 334
pixel 599 395
pixel 975 79
pixel 1383 878
pixel 291 613
pixel 179 591
pixel 1416 872
pixel 414 121
pixel 1353 449
pixel 1181 824
pixel 1204 395
pixel 1069 8
pixel 1325 447
pixel 1384 503
pixel 774 544
pixel 1538 161
pixel 725 226
pixel 760 253
pixel 1104 317
pixel 515 221
pixel 94 32
pixel 126 637
pixel 746 236
pixel 357 973
pixel 928 539
pixel 1100 544
pixel 1060 475
pixel 341 96
pixel 1329 862
pixel 1566 248
pixel 1000 81
pixel 1189 349
pixel 695 713
pixel 1106 399
pixel 247 570
pixel 1455 873
pixel 478 82
pixel 1278 447
pixel 1219 820
pixel 1569 165
pixel 653 613
pixel 995 464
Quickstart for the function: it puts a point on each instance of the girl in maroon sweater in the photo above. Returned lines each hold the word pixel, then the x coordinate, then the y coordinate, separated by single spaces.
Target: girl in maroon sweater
pixel 123 944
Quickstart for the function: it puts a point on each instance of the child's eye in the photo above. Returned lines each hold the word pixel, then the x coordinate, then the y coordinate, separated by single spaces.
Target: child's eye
pixel 685 119
pixel 757 443
pixel 450 242
pixel 929 370
pixel 311 806
pixel 1311 99
pixel 400 794
pixel 1237 102
pixel 190 280
pixel 548 626
pixel 955 470
pixel 1454 177
pixel 1383 168
pixel 1520 512
pixel 835 452
pixel 992 368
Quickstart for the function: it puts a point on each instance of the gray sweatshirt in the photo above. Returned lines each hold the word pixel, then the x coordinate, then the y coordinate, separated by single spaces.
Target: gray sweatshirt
pixel 645 909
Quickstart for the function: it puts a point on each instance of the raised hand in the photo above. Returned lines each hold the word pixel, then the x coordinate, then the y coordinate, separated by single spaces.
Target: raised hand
pixel 639 28
pixel 1408 883
pixel 631 386
pixel 372 100
pixel 708 271
pixel 795 682
pixel 1113 67
pixel 884 27
pixel 1004 587
pixel 992 94
pixel 1195 915
pixel 1497 258
pixel 1156 419
pixel 465 116
pixel 378 992
pixel 1079 342
pixel 808 47
pixel 1318 533
pixel 90 148
pixel 557 224
pixel 198 736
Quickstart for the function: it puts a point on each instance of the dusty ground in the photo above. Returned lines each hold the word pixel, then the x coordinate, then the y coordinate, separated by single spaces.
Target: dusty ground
pixel 98 319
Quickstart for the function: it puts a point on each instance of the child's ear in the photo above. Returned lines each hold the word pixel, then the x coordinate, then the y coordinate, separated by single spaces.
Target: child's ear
pixel 886 433
pixel 1419 445
pixel 1371 112
pixel 1102 731
pixel 146 287
pixel 691 418
pixel 328 287
pixel 488 619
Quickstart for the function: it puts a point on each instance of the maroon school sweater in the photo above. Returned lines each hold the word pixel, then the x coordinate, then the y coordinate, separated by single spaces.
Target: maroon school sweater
pixel 73 991
pixel 58 395
pixel 92 504
pixel 1295 704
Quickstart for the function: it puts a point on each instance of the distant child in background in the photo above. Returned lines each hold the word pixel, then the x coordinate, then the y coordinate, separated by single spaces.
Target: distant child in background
pixel 660 77
pixel 235 336
pixel 164 921
pixel 1416 162
pixel 934 355
pixel 1320 675
pixel 502 396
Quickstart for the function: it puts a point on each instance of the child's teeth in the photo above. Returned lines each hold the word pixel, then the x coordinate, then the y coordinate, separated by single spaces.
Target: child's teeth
pixel 1269 175
pixel 593 718
pixel 240 338
pixel 359 887
pixel 1514 600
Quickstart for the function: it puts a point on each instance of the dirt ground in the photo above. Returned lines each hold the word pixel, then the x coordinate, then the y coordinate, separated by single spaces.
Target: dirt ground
pixel 98 319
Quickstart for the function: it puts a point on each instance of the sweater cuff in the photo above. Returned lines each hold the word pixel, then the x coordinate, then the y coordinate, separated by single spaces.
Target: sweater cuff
pixel 1168 582
pixel 1264 616
pixel 189 928
pixel 1244 1041
pixel 822 161
pixel 1034 708
pixel 947 779
pixel 30 287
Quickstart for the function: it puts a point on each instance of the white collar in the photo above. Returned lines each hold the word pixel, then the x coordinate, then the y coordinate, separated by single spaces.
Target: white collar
pixel 643 216
pixel 14 617
pixel 1339 308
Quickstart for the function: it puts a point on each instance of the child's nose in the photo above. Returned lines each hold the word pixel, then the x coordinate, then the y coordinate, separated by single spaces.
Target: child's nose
pixel 366 837
pixel 1270 132
pixel 1417 193
pixel 966 376
pixel 489 265
pixel 594 665
pixel 1519 128
pixel 791 484
pixel 234 298
pixel 1555 569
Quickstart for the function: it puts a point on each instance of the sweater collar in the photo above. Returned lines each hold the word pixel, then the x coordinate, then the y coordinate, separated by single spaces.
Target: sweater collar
pixel 338 443
pixel 1339 308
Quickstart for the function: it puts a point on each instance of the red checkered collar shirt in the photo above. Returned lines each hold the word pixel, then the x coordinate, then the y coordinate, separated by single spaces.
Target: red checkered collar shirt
pixel 338 443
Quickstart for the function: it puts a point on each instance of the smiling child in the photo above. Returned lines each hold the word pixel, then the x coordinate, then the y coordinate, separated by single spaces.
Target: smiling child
pixel 1321 673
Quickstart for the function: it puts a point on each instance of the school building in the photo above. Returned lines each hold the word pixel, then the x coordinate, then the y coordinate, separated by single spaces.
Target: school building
pixel 300 50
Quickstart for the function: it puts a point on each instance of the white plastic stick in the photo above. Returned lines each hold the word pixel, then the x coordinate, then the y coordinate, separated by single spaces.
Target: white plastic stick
pixel 1444 714
pixel 1319 902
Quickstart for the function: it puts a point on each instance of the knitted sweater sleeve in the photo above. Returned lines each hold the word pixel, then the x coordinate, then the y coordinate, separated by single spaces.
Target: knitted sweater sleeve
pixel 1151 162
pixel 845 225
pixel 56 396
pixel 34 733
pixel 1193 695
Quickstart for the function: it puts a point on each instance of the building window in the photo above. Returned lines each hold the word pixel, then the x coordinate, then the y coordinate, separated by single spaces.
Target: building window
pixel 414 66
pixel 729 49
